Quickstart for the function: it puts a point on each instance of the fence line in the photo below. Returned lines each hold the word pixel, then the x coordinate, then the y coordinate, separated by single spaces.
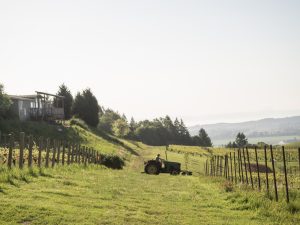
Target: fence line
pixel 22 150
pixel 250 167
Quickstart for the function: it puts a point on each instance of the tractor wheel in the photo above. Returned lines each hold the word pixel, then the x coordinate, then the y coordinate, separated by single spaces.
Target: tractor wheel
pixel 152 169
pixel 174 172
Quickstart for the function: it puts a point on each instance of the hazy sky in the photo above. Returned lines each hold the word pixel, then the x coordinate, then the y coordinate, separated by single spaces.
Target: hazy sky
pixel 204 61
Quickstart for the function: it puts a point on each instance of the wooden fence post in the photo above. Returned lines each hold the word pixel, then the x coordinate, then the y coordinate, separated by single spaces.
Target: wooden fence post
pixel 47 152
pixel 218 165
pixel 21 156
pixel 213 165
pixel 245 165
pixel 94 156
pixel 285 176
pixel 72 153
pixel 82 153
pixel 257 168
pixel 85 156
pixel 241 165
pixel 210 163
pixel 63 152
pixel 231 167
pixel 58 151
pixel 89 155
pixel 299 157
pixel 40 152
pixel 234 161
pixel 274 174
pixel 69 153
pixel 221 166
pixel 54 152
pixel 97 158
pixel 30 145
pixel 249 166
pixel 76 153
pixel 10 150
pixel 228 168
pixel 79 154
pixel 266 165
pixel 225 167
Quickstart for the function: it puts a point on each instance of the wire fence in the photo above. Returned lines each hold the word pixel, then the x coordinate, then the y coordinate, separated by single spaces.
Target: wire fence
pixel 270 169
pixel 20 151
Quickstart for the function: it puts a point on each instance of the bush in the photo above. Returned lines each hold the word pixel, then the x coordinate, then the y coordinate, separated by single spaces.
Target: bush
pixel 112 161
pixel 228 186
pixel 79 122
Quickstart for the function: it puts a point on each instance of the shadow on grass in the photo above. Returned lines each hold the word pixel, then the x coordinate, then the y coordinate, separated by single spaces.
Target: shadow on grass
pixel 114 140
pixel 2 191
pixel 11 181
pixel 58 193
pixel 43 174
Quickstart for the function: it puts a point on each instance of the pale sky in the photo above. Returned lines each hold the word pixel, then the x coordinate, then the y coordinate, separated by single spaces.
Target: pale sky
pixel 205 61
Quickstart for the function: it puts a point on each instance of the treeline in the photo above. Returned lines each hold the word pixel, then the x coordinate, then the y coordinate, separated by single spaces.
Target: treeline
pixel 85 106
pixel 159 131
pixel 241 141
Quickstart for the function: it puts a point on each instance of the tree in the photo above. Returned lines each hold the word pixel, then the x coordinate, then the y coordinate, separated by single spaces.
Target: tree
pixel 68 100
pixel 202 139
pixel 171 129
pixel 184 134
pixel 4 102
pixel 120 128
pixel 132 125
pixel 241 140
pixel 86 107
pixel 107 119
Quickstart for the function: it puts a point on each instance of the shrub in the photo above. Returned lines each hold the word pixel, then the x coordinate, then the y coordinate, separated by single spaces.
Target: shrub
pixel 112 161
pixel 228 186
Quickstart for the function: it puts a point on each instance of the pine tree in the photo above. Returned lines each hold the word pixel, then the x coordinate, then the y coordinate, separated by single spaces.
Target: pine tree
pixel 241 140
pixel 4 102
pixel 203 139
pixel 68 100
pixel 86 107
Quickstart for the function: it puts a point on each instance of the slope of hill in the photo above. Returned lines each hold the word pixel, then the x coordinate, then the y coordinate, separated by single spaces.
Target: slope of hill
pixel 76 194
pixel 270 130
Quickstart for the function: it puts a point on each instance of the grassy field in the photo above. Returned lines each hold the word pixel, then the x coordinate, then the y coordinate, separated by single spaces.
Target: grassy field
pixel 97 195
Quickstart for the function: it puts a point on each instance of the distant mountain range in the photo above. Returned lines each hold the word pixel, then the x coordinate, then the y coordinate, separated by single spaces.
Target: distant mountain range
pixel 269 130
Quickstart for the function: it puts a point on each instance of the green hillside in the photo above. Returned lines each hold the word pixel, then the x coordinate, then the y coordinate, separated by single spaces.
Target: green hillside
pixel 97 195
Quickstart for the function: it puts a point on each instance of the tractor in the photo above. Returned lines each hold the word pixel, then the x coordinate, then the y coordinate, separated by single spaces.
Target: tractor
pixel 174 168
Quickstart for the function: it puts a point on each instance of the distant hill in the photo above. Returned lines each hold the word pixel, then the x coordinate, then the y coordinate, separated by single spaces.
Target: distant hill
pixel 270 130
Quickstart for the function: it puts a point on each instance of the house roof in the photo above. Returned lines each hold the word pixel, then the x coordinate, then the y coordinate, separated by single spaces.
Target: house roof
pixel 44 93
pixel 22 97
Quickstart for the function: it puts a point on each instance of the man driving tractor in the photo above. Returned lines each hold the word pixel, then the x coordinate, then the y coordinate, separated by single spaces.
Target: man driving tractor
pixel 159 160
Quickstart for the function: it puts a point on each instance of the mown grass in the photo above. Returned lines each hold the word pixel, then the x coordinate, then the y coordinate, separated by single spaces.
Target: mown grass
pixel 95 195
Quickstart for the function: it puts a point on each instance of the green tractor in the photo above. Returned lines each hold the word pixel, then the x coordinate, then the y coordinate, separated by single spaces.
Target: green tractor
pixel 174 168
pixel 154 167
